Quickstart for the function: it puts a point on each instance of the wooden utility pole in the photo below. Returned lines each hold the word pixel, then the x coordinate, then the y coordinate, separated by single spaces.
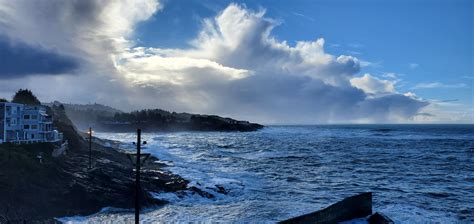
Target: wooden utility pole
pixel 90 148
pixel 137 179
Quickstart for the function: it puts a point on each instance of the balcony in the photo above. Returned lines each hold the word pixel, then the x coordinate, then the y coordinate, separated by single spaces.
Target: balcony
pixel 45 120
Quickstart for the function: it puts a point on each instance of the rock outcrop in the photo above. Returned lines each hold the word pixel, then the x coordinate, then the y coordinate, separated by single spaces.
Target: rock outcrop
pixel 34 190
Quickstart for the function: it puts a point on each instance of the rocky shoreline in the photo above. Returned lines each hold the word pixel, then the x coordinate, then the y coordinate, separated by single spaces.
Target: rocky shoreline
pixel 37 191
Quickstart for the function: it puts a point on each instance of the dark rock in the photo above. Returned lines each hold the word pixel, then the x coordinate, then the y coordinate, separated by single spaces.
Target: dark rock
pixel 218 189
pixel 379 218
pixel 354 207
pixel 201 192
pixel 221 189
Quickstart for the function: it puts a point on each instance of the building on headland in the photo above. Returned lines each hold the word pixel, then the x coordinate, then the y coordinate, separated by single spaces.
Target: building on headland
pixel 21 123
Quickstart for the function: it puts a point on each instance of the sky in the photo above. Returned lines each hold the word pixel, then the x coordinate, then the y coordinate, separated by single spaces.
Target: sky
pixel 273 62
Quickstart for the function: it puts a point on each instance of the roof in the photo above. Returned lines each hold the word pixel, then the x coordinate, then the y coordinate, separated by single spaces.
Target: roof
pixel 11 104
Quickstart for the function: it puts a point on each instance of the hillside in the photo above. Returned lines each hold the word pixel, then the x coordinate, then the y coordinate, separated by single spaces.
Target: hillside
pixel 86 115
pixel 34 191
pixel 108 119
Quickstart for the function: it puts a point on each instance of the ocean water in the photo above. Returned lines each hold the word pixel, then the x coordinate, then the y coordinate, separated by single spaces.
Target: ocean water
pixel 418 173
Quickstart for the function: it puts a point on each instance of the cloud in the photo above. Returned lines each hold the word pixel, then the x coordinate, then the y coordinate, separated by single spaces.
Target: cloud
pixel 446 112
pixel 303 16
pixel 354 52
pixel 364 63
pixel 92 32
pixel 413 65
pixel 433 85
pixel 373 85
pixel 87 29
pixel 234 67
pixel 390 75
pixel 18 59
pixel 394 107
pixel 275 82
pixel 355 45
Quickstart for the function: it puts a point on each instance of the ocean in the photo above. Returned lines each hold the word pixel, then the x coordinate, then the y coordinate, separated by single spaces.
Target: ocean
pixel 418 173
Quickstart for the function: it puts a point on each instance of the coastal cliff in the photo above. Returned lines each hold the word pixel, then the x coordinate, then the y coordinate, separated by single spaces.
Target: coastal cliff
pixel 35 190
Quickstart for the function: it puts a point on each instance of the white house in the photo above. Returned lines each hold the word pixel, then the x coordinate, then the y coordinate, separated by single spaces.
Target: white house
pixel 21 123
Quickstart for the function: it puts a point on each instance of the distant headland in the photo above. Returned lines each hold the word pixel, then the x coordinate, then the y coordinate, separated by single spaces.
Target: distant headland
pixel 108 119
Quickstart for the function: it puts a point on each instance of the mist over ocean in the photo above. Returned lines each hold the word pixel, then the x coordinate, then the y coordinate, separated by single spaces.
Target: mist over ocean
pixel 418 173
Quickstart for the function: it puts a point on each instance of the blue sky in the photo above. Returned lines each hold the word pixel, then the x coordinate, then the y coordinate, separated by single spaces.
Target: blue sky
pixel 279 61
pixel 419 41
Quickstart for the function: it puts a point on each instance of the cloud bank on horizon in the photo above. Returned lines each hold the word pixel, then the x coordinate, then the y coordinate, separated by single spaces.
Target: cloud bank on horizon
pixel 234 67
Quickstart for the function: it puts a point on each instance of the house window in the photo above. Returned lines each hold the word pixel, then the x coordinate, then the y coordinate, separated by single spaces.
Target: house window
pixel 34 117
pixel 32 136
pixel 13 121
pixel 26 117
pixel 34 126
pixel 26 126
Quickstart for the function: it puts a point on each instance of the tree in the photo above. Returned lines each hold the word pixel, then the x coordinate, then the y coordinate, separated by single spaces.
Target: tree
pixel 3 100
pixel 25 96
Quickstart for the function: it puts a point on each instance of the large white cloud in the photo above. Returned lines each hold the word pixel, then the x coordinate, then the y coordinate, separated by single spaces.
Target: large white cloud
pixel 235 67
pixel 373 85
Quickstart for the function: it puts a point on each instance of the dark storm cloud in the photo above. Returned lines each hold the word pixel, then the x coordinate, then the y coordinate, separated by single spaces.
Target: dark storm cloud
pixel 18 60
